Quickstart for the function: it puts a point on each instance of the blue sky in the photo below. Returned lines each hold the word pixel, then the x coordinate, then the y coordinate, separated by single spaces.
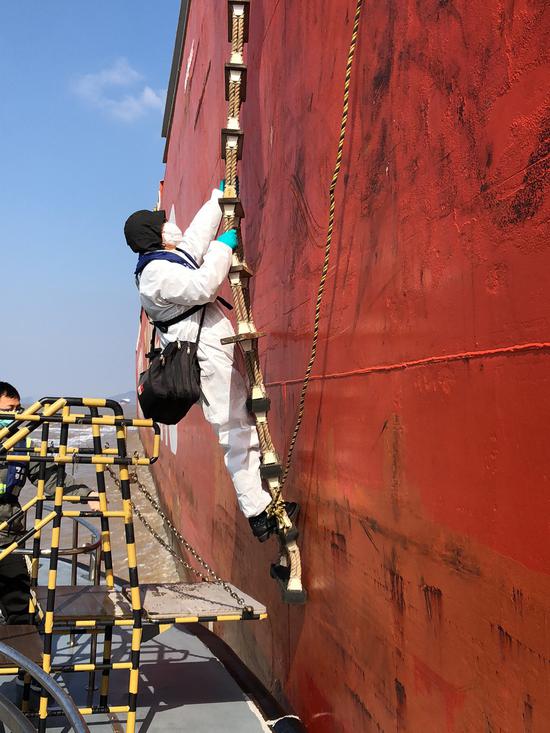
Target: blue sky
pixel 80 125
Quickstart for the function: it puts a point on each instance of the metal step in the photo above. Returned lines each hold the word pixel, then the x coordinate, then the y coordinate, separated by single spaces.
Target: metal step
pixel 24 639
pixel 246 9
pixel 240 337
pixel 232 207
pixel 241 267
pixel 239 71
pixel 86 602
pixel 191 602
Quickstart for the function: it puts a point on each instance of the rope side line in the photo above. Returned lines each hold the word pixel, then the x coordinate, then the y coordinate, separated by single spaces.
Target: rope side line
pixel 330 229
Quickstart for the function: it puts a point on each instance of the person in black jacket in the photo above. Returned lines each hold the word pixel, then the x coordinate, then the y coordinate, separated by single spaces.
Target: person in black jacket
pixel 14 575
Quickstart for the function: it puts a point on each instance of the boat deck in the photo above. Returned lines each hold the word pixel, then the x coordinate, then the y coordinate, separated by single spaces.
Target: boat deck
pixel 182 687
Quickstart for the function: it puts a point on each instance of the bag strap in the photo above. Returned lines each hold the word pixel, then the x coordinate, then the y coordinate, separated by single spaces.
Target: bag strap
pixel 195 264
pixel 201 322
pixel 190 263
pixel 224 302
pixel 163 326
pixel 152 351
pixel 167 256
pixel 192 260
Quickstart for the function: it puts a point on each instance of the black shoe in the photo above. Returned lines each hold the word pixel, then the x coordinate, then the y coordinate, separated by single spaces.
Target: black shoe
pixel 292 508
pixel 264 525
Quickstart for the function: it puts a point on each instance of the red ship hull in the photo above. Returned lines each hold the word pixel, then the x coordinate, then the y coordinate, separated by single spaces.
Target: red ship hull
pixel 422 467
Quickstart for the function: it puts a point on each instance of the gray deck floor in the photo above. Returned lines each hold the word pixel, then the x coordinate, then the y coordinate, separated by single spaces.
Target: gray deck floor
pixel 183 686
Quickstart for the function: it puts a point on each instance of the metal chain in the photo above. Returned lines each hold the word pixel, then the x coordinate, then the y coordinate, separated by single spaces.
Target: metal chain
pixel 332 207
pixel 133 478
pixel 166 546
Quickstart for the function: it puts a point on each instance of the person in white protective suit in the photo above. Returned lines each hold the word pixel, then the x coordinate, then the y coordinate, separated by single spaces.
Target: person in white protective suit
pixel 168 290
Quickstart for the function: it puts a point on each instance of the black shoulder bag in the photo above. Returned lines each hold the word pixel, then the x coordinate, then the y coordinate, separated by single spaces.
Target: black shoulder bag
pixel 171 385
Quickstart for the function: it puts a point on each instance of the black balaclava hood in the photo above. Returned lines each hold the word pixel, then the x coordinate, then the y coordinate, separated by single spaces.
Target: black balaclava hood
pixel 143 230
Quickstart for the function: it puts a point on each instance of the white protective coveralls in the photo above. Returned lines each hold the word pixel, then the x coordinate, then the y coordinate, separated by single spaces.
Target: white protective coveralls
pixel 166 289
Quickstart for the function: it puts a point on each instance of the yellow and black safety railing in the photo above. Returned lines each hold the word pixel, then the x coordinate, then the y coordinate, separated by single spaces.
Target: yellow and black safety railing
pixel 59 411
pixel 100 609
pixel 288 570
pixel 100 480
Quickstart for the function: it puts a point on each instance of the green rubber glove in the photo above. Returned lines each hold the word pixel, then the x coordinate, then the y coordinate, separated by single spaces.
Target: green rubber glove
pixel 230 238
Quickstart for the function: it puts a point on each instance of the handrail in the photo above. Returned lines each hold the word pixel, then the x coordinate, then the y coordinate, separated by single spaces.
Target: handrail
pixel 68 551
pixel 74 718
pixel 82 550
pixel 76 550
pixel 87 525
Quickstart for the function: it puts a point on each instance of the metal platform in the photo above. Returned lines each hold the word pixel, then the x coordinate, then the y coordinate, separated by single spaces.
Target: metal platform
pixel 192 602
pixel 184 687
pixel 24 639
pixel 96 612
pixel 76 602
pixel 162 603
